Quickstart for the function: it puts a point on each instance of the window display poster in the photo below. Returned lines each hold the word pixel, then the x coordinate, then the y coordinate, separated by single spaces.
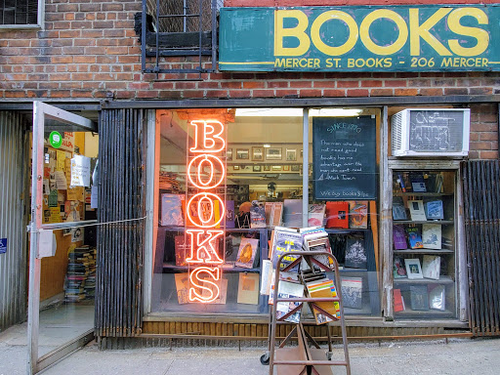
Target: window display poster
pixel 344 158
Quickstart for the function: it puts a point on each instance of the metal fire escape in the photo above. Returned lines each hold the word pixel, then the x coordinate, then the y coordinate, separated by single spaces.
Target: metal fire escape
pixel 180 28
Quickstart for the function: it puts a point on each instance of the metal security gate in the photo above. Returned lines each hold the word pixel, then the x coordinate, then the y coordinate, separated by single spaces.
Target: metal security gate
pixel 13 221
pixel 482 224
pixel 120 235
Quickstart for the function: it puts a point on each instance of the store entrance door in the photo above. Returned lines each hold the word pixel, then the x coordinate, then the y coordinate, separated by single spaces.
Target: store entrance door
pixel 60 317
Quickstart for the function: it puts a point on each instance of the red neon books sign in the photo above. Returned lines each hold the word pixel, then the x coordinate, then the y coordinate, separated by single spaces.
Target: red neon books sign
pixel 205 172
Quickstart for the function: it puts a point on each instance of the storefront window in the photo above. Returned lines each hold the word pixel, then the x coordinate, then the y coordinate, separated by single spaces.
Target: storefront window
pixel 260 167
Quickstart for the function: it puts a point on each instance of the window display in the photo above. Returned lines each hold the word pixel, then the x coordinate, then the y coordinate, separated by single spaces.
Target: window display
pixel 226 182
pixel 424 244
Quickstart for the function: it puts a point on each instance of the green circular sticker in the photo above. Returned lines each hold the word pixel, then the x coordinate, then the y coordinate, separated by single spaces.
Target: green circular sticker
pixel 55 139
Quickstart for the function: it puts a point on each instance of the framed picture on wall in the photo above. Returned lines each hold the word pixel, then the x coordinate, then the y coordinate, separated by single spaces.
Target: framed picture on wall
pixel 257 168
pixel 291 154
pixel 295 167
pixel 267 167
pixel 242 154
pixel 286 168
pixel 229 154
pixel 257 153
pixel 273 153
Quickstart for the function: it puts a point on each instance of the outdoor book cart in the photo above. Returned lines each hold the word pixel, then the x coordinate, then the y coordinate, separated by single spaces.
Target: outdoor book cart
pixel 307 357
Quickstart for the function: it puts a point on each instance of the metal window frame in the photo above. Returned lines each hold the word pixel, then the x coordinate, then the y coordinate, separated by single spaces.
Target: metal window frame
pixel 40 20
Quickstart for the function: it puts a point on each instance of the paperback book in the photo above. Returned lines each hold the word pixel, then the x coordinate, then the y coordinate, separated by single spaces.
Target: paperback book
pixel 358 214
pixel 434 210
pixel 431 266
pixel 417 211
pixel 182 286
pixel 399 270
pixel 399 237
pixel 399 302
pixel 437 298
pixel 247 253
pixel 414 237
pixel 324 312
pixel 292 213
pixel 418 182
pixel 289 311
pixel 337 214
pixel 248 288
pixel 274 213
pixel 171 210
pixel 316 215
pixel 419 297
pixel 431 236
pixel 257 215
pixel 399 210
pixel 355 253
pixel 181 250
pixel 352 288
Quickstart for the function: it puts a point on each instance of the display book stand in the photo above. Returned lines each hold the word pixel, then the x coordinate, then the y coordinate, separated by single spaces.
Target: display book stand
pixel 307 357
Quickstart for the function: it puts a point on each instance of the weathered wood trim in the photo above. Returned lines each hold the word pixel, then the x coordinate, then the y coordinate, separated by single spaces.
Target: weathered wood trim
pixel 386 218
pixel 462 282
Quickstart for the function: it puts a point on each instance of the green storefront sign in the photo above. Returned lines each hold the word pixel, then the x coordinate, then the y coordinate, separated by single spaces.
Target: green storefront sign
pixel 364 38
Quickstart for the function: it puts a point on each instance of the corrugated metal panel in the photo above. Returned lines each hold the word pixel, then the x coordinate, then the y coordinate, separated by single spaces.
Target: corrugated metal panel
pixel 120 245
pixel 13 264
pixel 482 230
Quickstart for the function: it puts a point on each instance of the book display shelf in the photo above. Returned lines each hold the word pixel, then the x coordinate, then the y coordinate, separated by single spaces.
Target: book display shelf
pixel 316 282
pixel 424 246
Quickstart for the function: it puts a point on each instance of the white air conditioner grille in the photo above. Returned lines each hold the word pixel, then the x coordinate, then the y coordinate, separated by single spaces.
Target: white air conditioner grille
pixel 440 131
pixel 430 132
pixel 396 130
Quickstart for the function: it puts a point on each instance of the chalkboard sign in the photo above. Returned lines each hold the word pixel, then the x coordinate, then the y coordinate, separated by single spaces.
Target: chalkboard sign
pixel 344 158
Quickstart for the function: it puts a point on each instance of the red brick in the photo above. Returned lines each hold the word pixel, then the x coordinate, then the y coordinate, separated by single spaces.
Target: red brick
pixel 301 84
pixel 347 84
pixel 318 84
pixel 334 93
pixel 455 91
pixel 309 93
pixel 371 83
pixel 357 92
pixel 286 93
pixel 263 93
pixel 254 85
pixel 488 154
pixel 405 92
pixel 381 92
pixel 431 92
pixel 395 83
pixel 240 94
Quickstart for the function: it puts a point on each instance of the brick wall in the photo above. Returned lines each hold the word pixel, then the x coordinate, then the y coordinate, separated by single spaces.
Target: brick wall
pixel 89 51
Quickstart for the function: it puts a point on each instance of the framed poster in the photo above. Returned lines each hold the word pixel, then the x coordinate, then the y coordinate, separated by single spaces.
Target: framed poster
pixel 291 154
pixel 273 153
pixel 257 153
pixel 242 154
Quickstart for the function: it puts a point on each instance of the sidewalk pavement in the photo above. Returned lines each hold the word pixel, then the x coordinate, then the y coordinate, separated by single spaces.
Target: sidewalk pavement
pixel 458 356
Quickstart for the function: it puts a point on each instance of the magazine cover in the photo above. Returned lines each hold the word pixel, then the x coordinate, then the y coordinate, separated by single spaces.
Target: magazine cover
pixel 316 215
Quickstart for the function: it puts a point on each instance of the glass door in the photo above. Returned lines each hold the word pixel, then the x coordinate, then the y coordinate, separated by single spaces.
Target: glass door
pixel 62 235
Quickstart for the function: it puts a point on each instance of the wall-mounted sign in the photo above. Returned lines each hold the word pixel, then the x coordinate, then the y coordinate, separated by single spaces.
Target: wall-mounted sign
pixel 55 139
pixel 364 38
pixel 3 245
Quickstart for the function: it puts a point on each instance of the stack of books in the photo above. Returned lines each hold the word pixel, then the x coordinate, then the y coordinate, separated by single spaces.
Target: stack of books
pixel 80 275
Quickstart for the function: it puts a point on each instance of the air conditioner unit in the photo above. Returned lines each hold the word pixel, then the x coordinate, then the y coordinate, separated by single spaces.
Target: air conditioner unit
pixel 430 132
